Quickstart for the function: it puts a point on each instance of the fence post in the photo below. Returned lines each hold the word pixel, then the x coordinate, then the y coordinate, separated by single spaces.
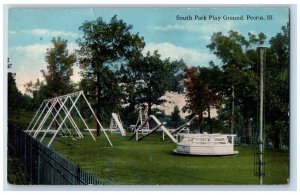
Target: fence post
pixel 31 160
pixel 38 163
pixel 78 174
pixel 52 167
pixel 25 152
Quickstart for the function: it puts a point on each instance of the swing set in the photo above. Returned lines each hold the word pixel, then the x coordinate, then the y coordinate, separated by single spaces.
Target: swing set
pixel 54 115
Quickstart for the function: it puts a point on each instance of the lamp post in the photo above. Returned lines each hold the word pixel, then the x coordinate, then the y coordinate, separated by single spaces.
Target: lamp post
pixel 261 114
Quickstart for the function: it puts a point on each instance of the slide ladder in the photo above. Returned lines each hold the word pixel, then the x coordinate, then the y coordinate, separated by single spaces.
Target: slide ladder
pixel 116 124
pixel 140 127
pixel 160 125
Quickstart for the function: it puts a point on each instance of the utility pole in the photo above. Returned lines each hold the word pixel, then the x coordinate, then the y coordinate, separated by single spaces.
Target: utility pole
pixel 261 114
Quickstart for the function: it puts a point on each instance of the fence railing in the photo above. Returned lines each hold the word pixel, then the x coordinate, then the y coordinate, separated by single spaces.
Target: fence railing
pixel 43 165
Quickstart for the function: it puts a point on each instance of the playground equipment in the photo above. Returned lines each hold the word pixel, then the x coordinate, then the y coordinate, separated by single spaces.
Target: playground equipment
pixel 142 128
pixel 190 143
pixel 184 126
pixel 58 111
pixel 139 131
pixel 141 122
pixel 205 144
pixel 116 124
pixel 139 134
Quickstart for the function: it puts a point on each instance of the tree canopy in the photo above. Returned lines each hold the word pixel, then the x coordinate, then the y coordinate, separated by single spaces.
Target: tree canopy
pixel 59 68
pixel 240 67
pixel 14 96
pixel 16 101
pixel 199 96
pixel 103 48
pixel 147 78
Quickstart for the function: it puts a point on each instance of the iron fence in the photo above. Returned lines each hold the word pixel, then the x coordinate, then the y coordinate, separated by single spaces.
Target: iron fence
pixel 43 165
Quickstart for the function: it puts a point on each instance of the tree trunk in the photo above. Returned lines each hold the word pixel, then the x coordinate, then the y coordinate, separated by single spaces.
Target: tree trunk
pixel 247 131
pixel 98 94
pixel 97 125
pixel 199 122
pixel 244 130
pixel 149 108
pixel 276 137
pixel 209 120
pixel 250 134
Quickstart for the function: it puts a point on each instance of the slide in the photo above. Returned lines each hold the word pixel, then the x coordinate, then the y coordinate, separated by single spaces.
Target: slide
pixel 120 126
pixel 163 128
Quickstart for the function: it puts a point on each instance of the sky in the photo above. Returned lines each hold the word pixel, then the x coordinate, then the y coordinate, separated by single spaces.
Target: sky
pixel 174 32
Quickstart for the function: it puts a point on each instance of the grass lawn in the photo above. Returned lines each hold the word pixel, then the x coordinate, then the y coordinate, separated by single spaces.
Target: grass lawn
pixel 151 162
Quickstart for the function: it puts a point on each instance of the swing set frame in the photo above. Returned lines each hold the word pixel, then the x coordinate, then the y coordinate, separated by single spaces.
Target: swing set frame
pixel 59 110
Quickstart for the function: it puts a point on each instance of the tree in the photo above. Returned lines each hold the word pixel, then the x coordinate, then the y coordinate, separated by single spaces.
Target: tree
pixel 240 64
pixel 240 58
pixel 14 96
pixel 213 77
pixel 277 90
pixel 148 78
pixel 16 101
pixel 59 69
pixel 103 47
pixel 38 91
pixel 175 118
pixel 199 96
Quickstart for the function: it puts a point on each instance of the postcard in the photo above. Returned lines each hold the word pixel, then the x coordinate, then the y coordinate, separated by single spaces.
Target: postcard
pixel 148 96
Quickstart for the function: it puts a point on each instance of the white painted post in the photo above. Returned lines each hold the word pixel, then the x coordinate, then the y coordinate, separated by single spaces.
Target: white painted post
pixel 83 121
pixel 36 122
pixel 52 120
pixel 53 116
pixel 62 119
pixel 44 119
pixel 96 118
pixel 49 144
pixel 117 120
pixel 35 115
pixel 163 128
pixel 71 118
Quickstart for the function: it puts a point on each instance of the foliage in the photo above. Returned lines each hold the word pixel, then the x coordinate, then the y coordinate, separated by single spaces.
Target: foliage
pixel 232 49
pixel 199 97
pixel 57 77
pixel 147 78
pixel 175 118
pixel 13 94
pixel 103 47
pixel 277 92
pixel 16 101
pixel 240 57
pixel 59 69
pixel 240 77
pixel 37 90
